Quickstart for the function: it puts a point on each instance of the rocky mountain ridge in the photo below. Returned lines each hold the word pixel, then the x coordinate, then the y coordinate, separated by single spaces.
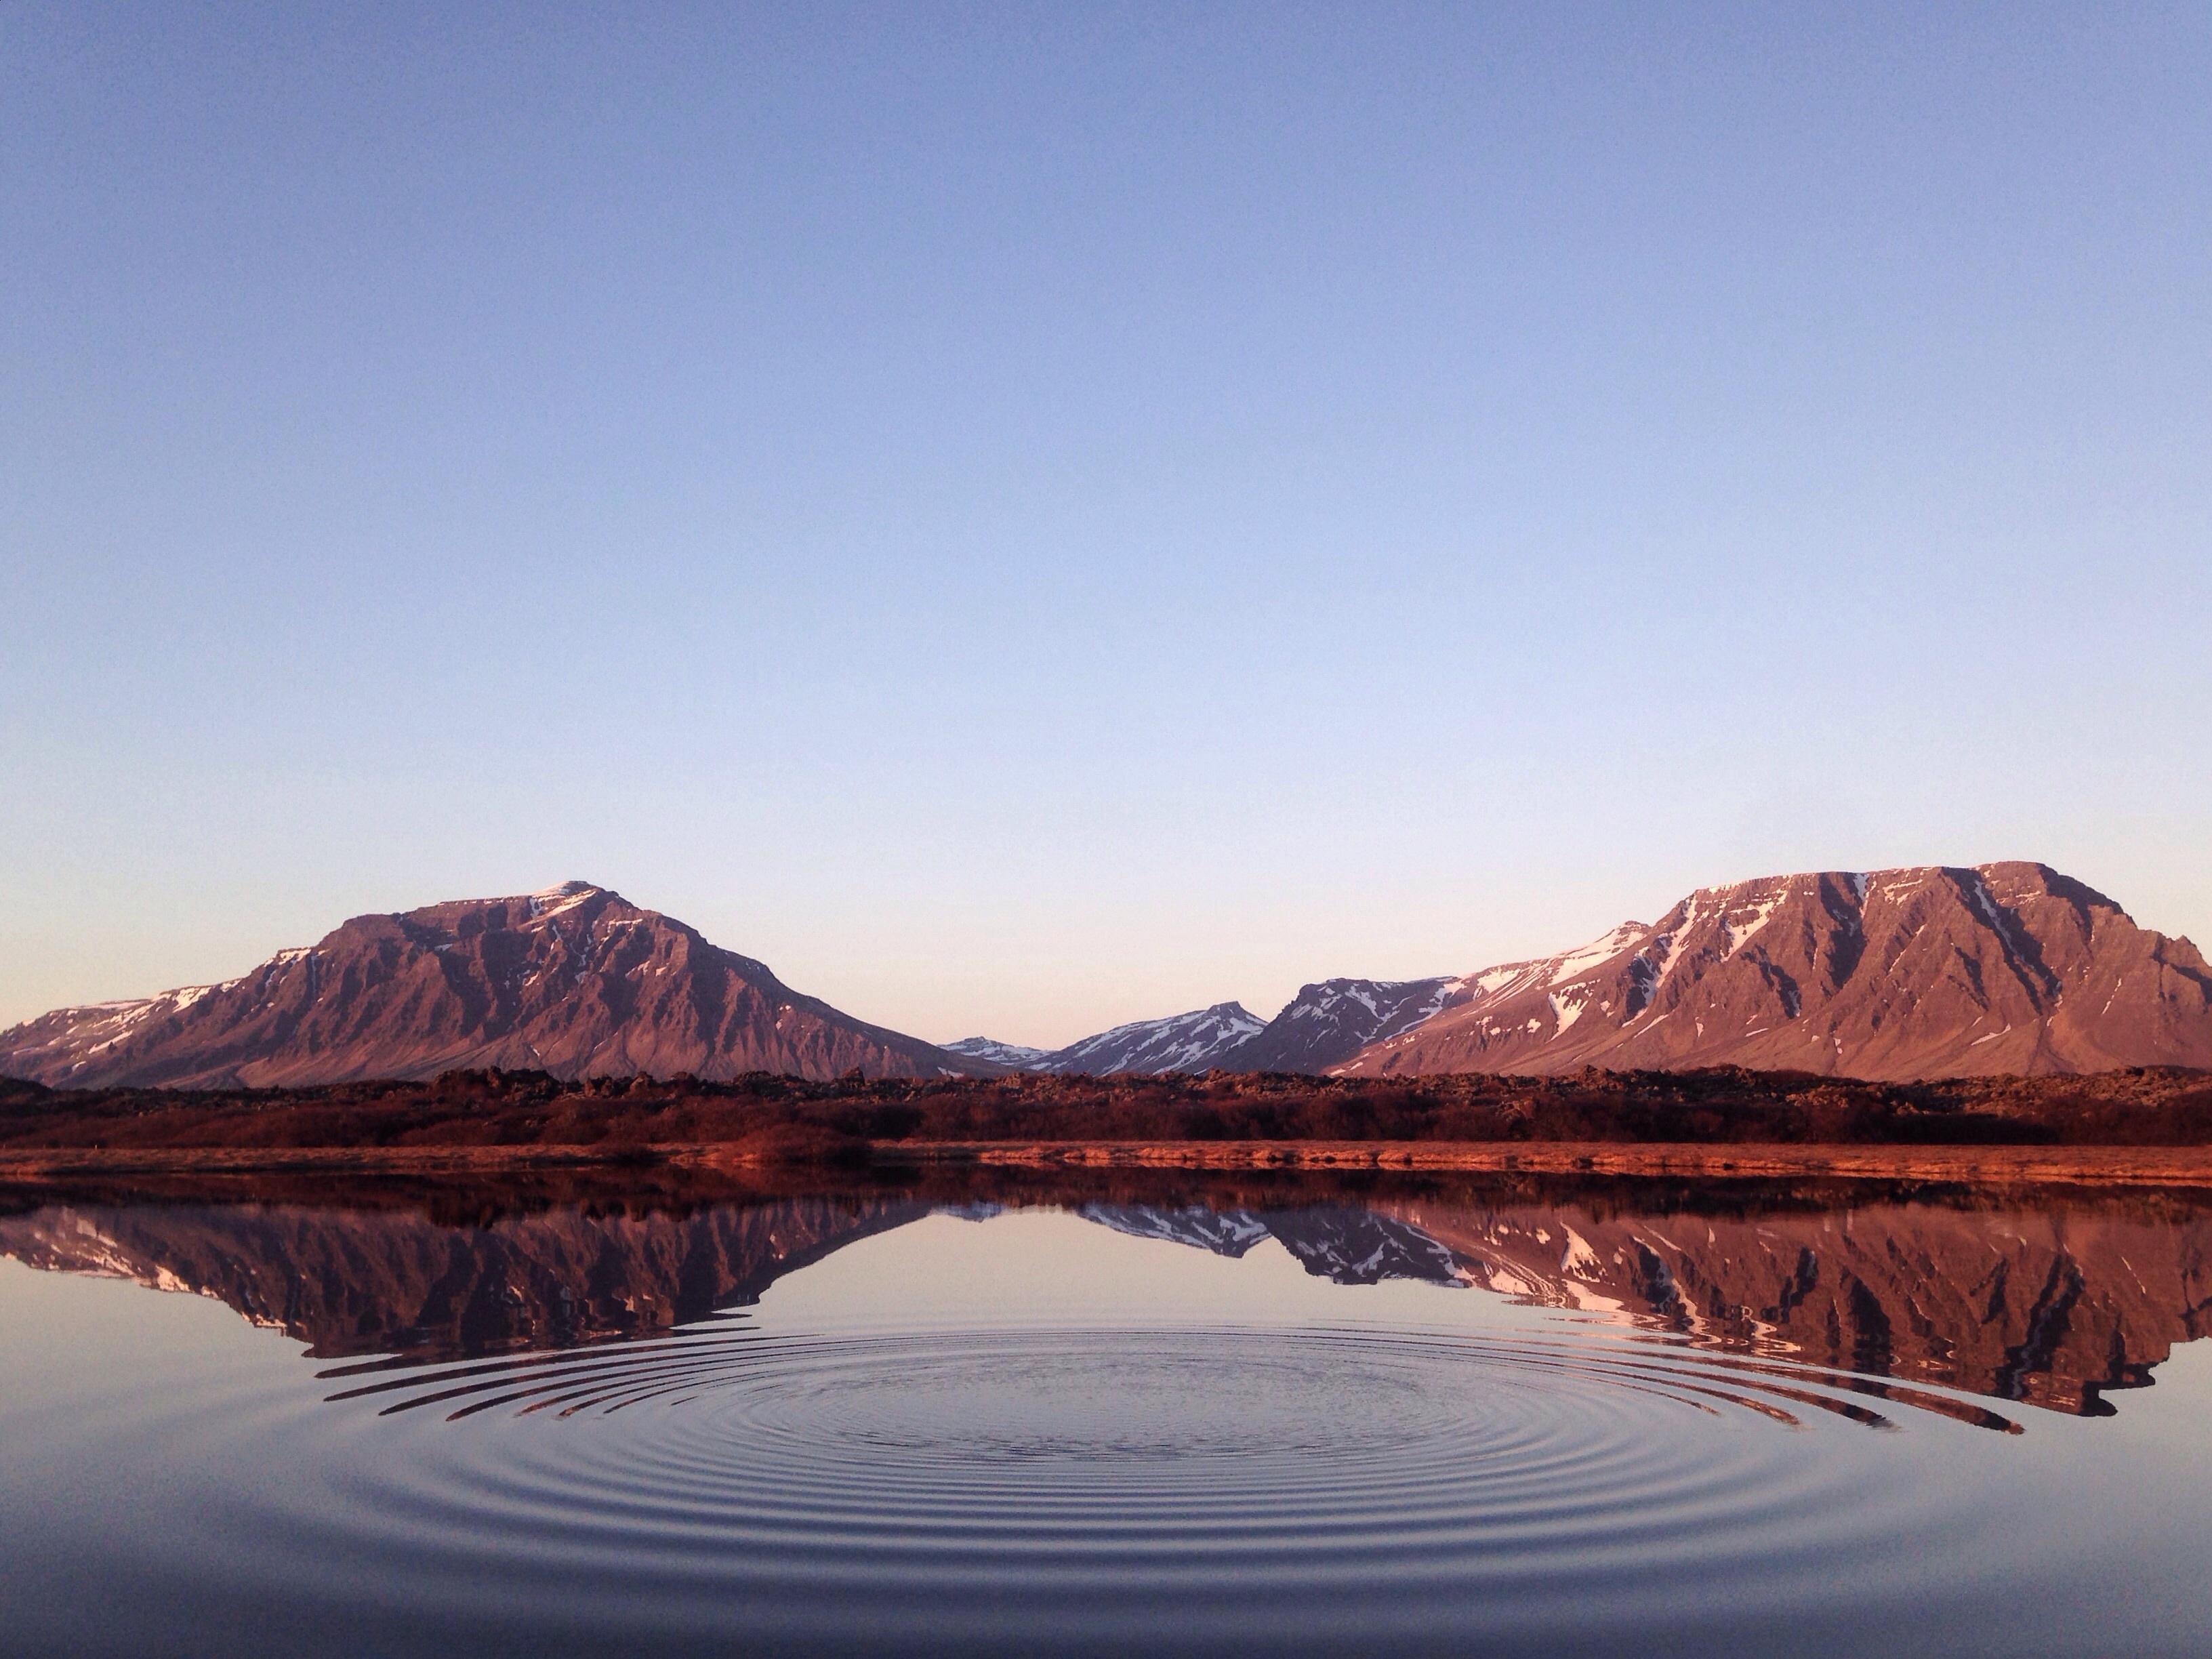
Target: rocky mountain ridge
pixel 1191 1042
pixel 1323 1025
pixel 574 980
pixel 1926 972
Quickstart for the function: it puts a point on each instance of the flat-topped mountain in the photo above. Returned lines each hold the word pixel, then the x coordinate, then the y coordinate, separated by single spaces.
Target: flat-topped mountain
pixel 1902 974
pixel 575 980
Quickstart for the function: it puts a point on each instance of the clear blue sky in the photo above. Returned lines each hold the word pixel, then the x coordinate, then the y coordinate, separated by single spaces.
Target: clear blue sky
pixel 1028 517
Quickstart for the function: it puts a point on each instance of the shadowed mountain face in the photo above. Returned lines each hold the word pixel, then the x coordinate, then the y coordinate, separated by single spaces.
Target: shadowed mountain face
pixel 575 980
pixel 1328 1024
pixel 2055 1307
pixel 1903 974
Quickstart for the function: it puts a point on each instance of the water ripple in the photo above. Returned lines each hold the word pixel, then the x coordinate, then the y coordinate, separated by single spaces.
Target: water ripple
pixel 1070 1451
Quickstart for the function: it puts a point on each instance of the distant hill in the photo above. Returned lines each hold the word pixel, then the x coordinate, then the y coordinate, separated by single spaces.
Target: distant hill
pixel 1325 1024
pixel 574 980
pixel 1195 1042
pixel 991 1051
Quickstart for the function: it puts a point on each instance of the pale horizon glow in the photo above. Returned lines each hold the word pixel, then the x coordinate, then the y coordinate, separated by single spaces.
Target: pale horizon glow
pixel 1023 519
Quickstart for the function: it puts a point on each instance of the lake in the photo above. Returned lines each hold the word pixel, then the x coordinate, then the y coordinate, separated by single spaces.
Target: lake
pixel 1126 1412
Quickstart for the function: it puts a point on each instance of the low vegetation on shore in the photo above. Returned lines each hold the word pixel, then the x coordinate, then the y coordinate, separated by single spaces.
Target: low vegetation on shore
pixel 785 1117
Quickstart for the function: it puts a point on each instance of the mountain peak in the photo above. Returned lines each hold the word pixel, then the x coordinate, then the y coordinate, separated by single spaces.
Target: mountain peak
pixel 573 980
pixel 1194 1041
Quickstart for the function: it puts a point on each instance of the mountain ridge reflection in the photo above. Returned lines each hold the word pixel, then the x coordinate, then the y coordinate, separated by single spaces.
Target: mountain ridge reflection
pixel 2055 1300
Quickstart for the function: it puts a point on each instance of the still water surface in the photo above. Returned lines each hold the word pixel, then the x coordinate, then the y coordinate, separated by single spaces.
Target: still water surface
pixel 1434 1419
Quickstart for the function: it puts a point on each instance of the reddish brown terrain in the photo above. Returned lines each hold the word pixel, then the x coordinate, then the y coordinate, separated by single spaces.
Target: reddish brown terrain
pixel 1902 974
pixel 853 1117
pixel 576 982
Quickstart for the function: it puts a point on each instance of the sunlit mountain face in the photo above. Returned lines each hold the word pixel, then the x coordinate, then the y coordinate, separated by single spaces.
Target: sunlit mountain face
pixel 2006 968
pixel 574 980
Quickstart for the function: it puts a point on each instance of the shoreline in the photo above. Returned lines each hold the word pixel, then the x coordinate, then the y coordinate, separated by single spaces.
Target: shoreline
pixel 2190 1166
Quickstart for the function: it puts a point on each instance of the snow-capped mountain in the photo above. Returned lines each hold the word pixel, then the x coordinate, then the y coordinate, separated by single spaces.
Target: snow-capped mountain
pixel 575 980
pixel 1899 974
pixel 1327 1023
pixel 1012 1055
pixel 1182 1042
pixel 1195 1042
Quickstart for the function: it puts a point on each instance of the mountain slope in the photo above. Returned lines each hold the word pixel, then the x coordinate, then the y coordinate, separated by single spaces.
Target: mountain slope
pixel 575 980
pixel 1012 1055
pixel 1327 1023
pixel 1914 973
pixel 1194 1042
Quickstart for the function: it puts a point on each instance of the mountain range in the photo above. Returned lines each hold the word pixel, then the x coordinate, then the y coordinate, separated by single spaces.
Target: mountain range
pixel 1931 971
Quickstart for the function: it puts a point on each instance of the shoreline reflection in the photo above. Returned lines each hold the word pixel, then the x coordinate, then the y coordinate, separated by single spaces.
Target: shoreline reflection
pixel 2054 1299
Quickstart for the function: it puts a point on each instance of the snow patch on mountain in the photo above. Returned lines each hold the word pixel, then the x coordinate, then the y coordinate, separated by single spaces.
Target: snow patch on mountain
pixel 1194 1042
pixel 1333 1019
pixel 1014 1054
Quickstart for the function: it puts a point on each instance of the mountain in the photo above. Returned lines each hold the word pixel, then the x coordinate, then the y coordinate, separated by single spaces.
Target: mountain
pixel 1012 1055
pixel 1195 1042
pixel 575 980
pixel 1329 1023
pixel 1902 974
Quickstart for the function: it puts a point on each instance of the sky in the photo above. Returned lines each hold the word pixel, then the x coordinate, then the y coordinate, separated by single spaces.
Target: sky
pixel 1028 517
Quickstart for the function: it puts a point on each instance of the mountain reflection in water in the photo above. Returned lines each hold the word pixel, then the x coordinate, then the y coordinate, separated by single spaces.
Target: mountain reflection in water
pixel 971 1411
pixel 2054 1301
